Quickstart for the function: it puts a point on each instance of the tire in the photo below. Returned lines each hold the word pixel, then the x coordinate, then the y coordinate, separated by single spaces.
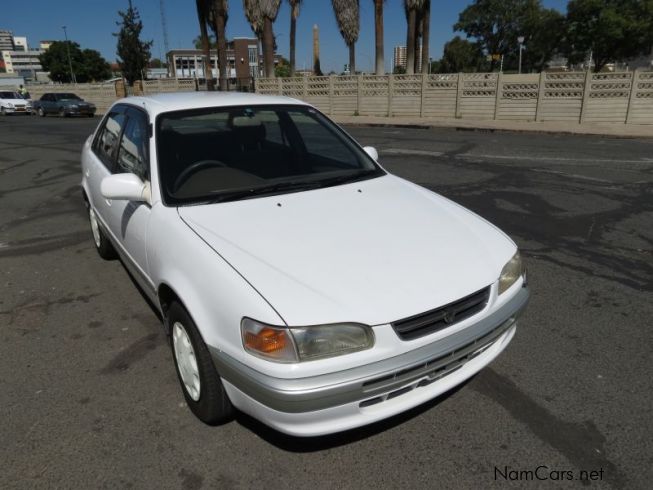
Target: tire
pixel 62 112
pixel 203 389
pixel 2 111
pixel 41 112
pixel 102 244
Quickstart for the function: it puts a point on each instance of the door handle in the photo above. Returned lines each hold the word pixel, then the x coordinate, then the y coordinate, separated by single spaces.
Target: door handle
pixel 109 201
pixel 88 173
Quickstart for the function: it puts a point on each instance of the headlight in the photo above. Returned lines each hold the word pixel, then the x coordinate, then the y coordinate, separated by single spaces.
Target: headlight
pixel 512 271
pixel 74 106
pixel 10 105
pixel 296 344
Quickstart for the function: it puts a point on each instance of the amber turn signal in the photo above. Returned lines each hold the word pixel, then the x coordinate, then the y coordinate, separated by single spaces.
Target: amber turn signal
pixel 266 340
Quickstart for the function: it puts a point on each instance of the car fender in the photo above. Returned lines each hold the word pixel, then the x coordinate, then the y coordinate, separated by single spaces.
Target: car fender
pixel 214 293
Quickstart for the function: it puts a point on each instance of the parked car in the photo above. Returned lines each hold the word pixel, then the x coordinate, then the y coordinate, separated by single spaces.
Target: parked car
pixel 299 281
pixel 63 104
pixel 12 103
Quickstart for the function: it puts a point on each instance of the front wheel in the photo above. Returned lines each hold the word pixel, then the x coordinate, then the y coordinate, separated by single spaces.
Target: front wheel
pixel 62 112
pixel 41 112
pixel 102 243
pixel 200 382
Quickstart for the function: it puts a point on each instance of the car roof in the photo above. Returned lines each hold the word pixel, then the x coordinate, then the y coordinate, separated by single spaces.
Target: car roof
pixel 178 101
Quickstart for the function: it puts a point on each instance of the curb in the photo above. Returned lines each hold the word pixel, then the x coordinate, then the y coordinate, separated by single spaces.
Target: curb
pixel 493 130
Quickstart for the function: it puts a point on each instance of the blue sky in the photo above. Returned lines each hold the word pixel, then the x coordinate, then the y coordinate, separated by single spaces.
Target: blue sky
pixel 91 22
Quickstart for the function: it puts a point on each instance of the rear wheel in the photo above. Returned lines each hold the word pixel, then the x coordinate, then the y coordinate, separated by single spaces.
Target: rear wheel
pixel 102 243
pixel 200 382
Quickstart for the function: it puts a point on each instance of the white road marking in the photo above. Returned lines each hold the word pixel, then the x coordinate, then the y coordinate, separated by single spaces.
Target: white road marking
pixel 401 151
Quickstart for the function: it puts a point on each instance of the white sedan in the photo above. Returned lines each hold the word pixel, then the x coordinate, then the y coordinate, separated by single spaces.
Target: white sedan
pixel 13 103
pixel 298 280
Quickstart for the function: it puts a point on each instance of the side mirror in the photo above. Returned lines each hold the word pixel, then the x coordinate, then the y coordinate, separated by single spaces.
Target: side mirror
pixel 126 187
pixel 371 151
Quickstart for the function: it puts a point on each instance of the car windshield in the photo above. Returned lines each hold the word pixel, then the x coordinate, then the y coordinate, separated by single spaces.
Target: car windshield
pixel 9 95
pixel 232 153
pixel 67 97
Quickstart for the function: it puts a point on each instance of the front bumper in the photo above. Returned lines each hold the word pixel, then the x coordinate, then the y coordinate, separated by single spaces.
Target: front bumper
pixel 18 110
pixel 80 111
pixel 351 398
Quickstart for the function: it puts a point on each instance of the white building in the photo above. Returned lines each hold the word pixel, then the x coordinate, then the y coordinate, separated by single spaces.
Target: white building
pixel 20 43
pixel 23 63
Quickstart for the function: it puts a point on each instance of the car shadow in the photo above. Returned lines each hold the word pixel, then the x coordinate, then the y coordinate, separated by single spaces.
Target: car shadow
pixel 295 444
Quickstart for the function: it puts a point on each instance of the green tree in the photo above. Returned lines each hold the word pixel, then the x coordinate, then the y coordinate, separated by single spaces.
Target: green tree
pixel 261 14
pixel 88 65
pixel 294 13
pixel 95 68
pixel 611 30
pixel 133 54
pixel 496 24
pixel 544 33
pixel 213 44
pixel 203 42
pixel 282 69
pixel 413 9
pixel 461 55
pixel 348 19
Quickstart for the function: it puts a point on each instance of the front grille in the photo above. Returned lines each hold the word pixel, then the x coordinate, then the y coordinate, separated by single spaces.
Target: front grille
pixel 431 370
pixel 431 321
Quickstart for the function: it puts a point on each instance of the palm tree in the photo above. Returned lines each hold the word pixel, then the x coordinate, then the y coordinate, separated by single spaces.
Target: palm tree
pixel 254 16
pixel 426 24
pixel 203 9
pixel 378 29
pixel 218 17
pixel 294 13
pixel 348 17
pixel 270 9
pixel 412 8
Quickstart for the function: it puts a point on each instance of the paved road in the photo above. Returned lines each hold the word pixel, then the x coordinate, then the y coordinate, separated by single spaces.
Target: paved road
pixel 89 397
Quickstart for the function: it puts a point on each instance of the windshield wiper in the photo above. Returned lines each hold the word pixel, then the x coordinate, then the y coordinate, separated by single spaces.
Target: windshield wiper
pixel 351 177
pixel 280 187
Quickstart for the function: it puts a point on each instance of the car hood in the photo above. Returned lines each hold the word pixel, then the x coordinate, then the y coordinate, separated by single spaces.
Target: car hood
pixel 15 101
pixel 371 252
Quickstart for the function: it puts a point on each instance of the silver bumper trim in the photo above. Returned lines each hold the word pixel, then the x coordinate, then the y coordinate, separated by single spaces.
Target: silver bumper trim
pixel 370 380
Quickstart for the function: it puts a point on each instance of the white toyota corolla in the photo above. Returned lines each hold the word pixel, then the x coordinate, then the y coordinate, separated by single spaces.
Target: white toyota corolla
pixel 299 281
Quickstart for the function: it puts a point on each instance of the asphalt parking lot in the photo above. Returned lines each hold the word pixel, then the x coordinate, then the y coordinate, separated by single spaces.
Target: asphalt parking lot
pixel 89 396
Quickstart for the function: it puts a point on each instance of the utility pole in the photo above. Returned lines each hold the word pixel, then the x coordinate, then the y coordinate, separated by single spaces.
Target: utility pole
pixel 520 40
pixel 70 61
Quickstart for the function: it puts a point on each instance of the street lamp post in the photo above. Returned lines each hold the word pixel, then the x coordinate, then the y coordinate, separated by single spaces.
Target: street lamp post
pixel 70 61
pixel 520 40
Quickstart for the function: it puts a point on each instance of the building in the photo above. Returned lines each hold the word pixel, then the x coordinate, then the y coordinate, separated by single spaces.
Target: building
pixel 20 43
pixel 6 40
pixel 242 60
pixel 399 58
pixel 45 45
pixel 22 63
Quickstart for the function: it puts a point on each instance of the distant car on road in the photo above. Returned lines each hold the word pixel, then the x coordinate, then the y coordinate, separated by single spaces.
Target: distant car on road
pixel 63 104
pixel 13 103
